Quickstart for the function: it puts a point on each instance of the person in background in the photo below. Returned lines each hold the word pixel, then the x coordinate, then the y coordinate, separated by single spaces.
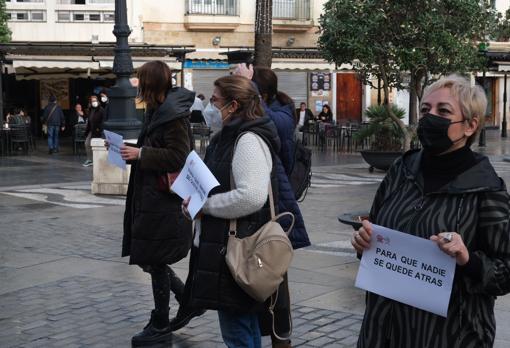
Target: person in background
pixel 304 116
pixel 17 118
pixel 94 127
pixel 280 109
pixel 202 98
pixel 53 118
pixel 444 187
pixel 196 111
pixel 105 103
pixel 79 115
pixel 9 115
pixel 24 118
pixel 156 234
pixel 325 115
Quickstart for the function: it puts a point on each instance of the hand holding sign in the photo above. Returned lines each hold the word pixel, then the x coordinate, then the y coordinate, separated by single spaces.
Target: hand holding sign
pixel 185 211
pixel 362 237
pixel 129 153
pixel 453 246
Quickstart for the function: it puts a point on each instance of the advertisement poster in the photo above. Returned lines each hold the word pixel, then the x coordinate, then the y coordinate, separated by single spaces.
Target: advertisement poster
pixel 320 84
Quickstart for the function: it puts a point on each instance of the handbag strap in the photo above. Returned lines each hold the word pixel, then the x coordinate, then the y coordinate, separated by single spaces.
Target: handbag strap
pixel 272 304
pixel 51 114
pixel 233 222
pixel 274 217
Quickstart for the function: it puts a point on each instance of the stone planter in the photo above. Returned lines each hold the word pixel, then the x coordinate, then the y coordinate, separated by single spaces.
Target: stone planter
pixel 108 179
pixel 380 159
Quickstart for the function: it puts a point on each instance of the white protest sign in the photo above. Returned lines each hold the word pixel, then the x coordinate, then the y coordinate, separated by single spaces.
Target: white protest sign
pixel 115 141
pixel 195 181
pixel 407 269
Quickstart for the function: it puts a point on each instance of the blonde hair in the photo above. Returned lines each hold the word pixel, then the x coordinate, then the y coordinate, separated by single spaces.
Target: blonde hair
pixel 472 99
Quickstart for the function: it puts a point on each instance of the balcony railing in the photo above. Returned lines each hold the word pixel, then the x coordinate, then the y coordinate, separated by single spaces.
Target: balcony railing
pixel 291 9
pixel 213 7
pixel 86 2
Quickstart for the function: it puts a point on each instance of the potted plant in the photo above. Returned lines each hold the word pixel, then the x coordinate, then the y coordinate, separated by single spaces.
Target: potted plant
pixel 385 136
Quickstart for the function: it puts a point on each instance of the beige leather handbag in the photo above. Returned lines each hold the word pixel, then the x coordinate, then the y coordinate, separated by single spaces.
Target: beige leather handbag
pixel 258 262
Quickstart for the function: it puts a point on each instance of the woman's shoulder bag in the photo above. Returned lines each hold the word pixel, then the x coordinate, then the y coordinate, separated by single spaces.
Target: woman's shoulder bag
pixel 259 262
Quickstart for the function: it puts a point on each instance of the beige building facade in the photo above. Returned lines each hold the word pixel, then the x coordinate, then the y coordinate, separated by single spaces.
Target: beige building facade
pixel 213 27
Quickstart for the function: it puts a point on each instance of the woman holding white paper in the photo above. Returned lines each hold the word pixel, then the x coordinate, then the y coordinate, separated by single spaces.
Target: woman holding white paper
pixel 240 157
pixel 452 196
pixel 156 234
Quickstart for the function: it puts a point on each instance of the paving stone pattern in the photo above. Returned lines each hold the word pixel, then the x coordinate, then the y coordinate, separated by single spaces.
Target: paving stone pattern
pixel 88 312
pixel 64 237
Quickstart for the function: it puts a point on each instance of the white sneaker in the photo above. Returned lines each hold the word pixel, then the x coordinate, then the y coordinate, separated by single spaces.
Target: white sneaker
pixel 87 163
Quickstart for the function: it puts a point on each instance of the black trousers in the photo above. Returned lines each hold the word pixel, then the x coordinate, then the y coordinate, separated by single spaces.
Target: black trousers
pixel 164 280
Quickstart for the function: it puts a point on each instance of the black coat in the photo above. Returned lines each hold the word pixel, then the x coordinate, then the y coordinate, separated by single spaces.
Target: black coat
pixel 308 117
pixel 474 204
pixel 212 285
pixel 95 122
pixel 155 231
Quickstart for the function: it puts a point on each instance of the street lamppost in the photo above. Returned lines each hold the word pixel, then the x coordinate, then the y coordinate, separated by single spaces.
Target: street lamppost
pixel 481 139
pixel 503 124
pixel 121 116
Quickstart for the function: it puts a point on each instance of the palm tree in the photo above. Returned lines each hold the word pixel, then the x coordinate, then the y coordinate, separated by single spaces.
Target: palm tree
pixel 263 33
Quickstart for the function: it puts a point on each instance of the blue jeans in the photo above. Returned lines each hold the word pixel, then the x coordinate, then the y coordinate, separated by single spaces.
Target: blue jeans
pixel 53 137
pixel 240 330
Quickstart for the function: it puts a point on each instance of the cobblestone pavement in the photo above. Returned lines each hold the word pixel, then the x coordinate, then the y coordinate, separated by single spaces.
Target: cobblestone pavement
pixel 63 284
pixel 87 312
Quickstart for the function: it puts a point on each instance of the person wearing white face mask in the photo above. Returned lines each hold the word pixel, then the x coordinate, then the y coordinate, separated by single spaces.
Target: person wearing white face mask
pixel 105 103
pixel 212 117
pixel 94 127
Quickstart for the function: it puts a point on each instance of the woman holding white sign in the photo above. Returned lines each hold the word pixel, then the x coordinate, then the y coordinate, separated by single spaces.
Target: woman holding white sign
pixel 452 196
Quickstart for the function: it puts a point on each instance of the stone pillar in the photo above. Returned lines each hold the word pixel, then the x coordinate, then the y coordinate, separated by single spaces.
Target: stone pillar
pixel 108 179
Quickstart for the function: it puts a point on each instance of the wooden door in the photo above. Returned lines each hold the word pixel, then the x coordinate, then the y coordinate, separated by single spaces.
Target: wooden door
pixel 348 98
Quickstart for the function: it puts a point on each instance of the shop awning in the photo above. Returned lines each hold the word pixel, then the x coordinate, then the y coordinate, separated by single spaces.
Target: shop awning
pixel 172 64
pixel 28 67
pixel 306 64
pixel 64 64
pixel 51 67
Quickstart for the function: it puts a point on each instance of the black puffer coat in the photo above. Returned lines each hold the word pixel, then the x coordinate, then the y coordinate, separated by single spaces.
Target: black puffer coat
pixel 476 205
pixel 212 284
pixel 155 231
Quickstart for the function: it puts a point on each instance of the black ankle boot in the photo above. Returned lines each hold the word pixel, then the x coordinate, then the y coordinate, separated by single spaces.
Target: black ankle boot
pixel 157 330
pixel 183 317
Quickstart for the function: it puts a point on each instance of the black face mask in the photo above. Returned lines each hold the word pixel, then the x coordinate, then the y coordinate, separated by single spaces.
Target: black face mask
pixel 433 133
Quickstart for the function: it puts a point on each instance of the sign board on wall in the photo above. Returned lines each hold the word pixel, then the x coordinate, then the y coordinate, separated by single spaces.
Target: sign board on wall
pixel 59 88
pixel 320 84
